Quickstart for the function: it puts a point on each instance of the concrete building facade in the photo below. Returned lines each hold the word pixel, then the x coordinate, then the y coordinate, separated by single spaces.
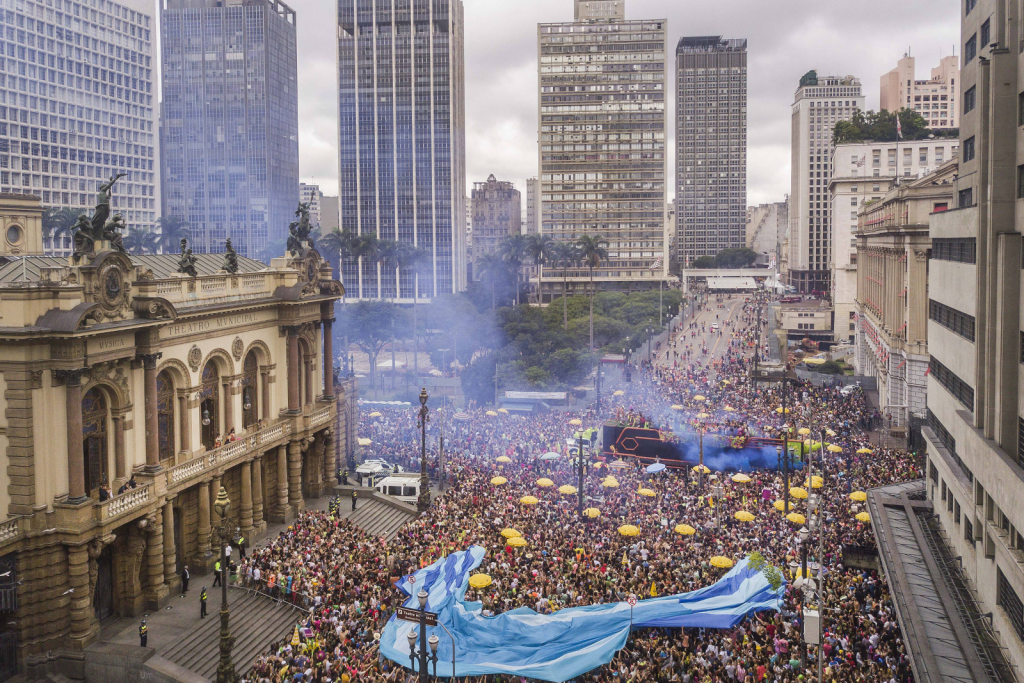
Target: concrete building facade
pixel 711 145
pixel 766 227
pixel 602 143
pixel 935 99
pixel 403 142
pixel 496 211
pixel 532 224
pixel 230 124
pixel 819 103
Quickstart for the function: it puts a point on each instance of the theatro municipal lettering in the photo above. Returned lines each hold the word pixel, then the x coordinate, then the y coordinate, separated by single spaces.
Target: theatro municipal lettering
pixel 222 323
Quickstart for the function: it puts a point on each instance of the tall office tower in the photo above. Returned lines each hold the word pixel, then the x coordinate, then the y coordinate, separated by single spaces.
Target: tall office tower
pixel 403 141
pixel 496 214
pixel 602 142
pixel 311 194
pixel 975 429
pixel 229 130
pixel 711 145
pixel 818 105
pixel 934 99
pixel 75 110
pixel 532 224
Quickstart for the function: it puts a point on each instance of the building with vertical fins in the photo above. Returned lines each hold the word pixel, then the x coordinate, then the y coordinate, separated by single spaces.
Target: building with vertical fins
pixel 401 105
pixel 229 129
pixel 711 145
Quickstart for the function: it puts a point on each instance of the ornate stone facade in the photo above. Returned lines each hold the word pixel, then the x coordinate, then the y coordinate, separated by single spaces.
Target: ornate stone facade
pixel 129 393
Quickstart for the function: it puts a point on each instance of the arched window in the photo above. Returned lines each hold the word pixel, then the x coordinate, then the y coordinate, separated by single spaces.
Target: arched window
pixel 208 408
pixel 165 414
pixel 250 393
pixel 94 437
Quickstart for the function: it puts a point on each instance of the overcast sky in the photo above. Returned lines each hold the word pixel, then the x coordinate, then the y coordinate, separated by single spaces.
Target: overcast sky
pixel 786 38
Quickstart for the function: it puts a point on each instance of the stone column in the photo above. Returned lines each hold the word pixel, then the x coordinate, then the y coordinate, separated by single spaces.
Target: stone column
pixel 119 469
pixel 170 551
pixel 215 485
pixel 330 461
pixel 245 512
pixel 282 480
pixel 295 475
pixel 185 423
pixel 293 369
pixel 257 493
pixel 204 519
pixel 80 602
pixel 328 359
pixel 229 408
pixel 152 424
pixel 76 447
pixel 265 388
pixel 309 379
pixel 156 591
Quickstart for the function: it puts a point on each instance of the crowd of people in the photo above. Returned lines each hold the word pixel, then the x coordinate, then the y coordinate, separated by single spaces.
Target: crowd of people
pixel 346 577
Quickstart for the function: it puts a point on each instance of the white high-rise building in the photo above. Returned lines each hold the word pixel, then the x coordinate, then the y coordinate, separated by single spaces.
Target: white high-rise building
pixel 934 99
pixel 76 106
pixel 819 103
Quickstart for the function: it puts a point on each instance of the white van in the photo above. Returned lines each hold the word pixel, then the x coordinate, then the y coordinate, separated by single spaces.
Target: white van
pixel 403 486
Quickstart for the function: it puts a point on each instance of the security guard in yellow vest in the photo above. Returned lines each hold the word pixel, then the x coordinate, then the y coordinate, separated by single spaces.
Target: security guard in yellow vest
pixel 216 574
pixel 355 494
pixel 143 633
pixel 202 604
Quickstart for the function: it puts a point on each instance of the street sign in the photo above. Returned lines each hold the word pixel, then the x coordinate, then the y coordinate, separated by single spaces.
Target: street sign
pixel 412 578
pixel 631 600
pixel 413 615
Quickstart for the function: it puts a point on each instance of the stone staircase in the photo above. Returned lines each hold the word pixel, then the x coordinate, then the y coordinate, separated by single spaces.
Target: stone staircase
pixel 256 621
pixel 378 518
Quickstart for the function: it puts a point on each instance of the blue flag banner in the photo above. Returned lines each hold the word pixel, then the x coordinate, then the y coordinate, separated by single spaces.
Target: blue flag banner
pixel 560 646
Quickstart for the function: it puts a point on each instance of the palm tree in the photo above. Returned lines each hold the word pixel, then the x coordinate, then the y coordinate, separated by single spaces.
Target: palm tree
pixel 539 247
pixel 172 229
pixel 490 266
pixel 364 247
pixel 57 222
pixel 513 249
pixel 565 255
pixel 389 253
pixel 592 248
pixel 141 241
pixel 335 243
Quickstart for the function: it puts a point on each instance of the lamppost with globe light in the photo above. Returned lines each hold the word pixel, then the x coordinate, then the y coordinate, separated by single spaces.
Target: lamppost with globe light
pixel 423 500
pixel 420 653
pixel 225 669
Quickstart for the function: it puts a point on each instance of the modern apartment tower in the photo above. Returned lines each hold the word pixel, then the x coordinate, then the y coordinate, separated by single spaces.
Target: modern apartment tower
pixel 76 110
pixel 229 130
pixel 819 103
pixel 711 145
pixel 602 142
pixel 403 142
pixel 934 99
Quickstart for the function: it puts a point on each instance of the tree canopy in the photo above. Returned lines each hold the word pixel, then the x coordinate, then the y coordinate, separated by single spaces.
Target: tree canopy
pixel 881 127
pixel 736 257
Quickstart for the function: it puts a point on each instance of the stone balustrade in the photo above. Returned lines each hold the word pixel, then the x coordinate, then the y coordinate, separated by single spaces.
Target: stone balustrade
pixel 186 290
pixel 229 453
pixel 128 501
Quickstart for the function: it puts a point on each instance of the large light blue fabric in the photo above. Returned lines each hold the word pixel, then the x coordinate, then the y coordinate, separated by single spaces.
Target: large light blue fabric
pixel 556 647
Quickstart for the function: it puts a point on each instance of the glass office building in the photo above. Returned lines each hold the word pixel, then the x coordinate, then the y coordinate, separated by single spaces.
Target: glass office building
pixel 229 134
pixel 76 105
pixel 402 141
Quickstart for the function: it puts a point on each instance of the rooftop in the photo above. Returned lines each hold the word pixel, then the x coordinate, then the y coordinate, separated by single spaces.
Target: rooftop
pixel 22 269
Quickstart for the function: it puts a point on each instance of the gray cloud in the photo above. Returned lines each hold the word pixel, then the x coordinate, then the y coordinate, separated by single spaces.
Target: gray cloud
pixel 786 38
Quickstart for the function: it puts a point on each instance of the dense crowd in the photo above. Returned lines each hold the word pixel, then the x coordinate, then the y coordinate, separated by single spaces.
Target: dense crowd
pixel 347 577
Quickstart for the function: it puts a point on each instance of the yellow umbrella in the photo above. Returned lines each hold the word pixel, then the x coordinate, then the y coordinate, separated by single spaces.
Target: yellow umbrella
pixel 779 505
pixel 480 580
pixel 295 636
pixel 859 496
pixel 703 416
pixel 491 413
pixel 647 493
pixel 798 492
pixel 830 432
pixel 721 562
pixel 725 381
pixel 517 542
pixel 498 481
pixel 863 517
pixel 815 483
pixel 685 530
pixel 834 448
pixel 610 483
pixel 803 431
pixel 729 409
pixel 864 451
pixel 740 478
pixel 744 516
pixel 374 414
pixel 628 530
pixel 544 482
pixel 364 441
pixel 678 407
pixel 779 410
pixel 796 518
pixel 528 500
pixel 593 513
pixel 567 489
pixel 618 392
pixel 503 458
pixel 502 410
pixel 696 468
pixel 510 533
pixel 698 397
pixel 575 422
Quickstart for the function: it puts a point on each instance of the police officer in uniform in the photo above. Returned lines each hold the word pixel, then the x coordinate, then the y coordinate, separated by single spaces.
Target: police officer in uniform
pixel 202 604
pixel 216 574
pixel 143 633
pixel 241 545
pixel 355 494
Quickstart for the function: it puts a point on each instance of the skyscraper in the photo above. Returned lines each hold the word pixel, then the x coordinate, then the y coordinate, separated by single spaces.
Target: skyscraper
pixel 819 103
pixel 602 142
pixel 496 210
pixel 76 110
pixel 229 131
pixel 403 141
pixel 711 145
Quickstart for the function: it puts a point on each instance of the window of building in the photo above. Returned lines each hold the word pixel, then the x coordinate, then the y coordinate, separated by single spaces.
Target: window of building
pixel 959 389
pixel 969 98
pixel 1007 598
pixel 969 5
pixel 948 442
pixel 959 249
pixel 965 197
pixel 165 414
pixel 968 530
pixel 968 152
pixel 970 49
pixel 952 319
pixel 986 33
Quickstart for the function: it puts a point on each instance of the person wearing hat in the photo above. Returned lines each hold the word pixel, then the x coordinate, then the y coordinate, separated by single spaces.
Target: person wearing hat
pixel 202 604
pixel 143 633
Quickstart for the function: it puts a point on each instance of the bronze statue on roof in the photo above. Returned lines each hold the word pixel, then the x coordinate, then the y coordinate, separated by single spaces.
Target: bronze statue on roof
pixel 230 264
pixel 187 262
pixel 298 231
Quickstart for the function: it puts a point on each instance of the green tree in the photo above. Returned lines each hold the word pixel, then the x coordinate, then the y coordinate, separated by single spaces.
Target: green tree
pixel 566 256
pixel 365 248
pixel 370 325
pixel 334 245
pixel 737 257
pixel 513 250
pixel 880 126
pixel 703 262
pixel 490 267
pixel 141 241
pixel 171 229
pixel 58 221
pixel 478 379
pixel 592 249
pixel 540 247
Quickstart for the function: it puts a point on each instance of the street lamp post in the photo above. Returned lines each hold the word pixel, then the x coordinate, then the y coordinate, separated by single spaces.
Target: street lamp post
pixel 420 653
pixel 580 472
pixel 423 500
pixel 717 491
pixel 225 669
pixel 440 449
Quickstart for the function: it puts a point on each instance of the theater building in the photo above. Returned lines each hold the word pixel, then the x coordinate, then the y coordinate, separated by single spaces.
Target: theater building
pixel 118 368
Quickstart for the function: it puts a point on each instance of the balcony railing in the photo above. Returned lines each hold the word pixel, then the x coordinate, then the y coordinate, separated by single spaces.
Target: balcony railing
pixel 205 287
pixel 126 502
pixel 228 453
pixel 318 417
